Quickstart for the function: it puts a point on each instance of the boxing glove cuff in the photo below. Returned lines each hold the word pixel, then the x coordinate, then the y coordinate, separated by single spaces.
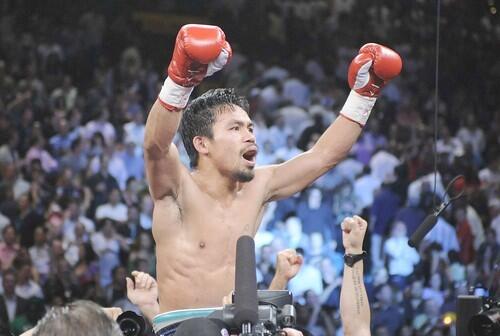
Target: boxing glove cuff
pixel 357 108
pixel 173 95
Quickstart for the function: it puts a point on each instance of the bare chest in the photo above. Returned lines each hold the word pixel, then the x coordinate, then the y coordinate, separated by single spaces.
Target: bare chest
pixel 205 224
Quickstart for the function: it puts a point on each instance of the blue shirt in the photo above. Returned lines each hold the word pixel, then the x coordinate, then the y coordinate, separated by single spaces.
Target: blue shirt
pixel 385 206
pixel 411 216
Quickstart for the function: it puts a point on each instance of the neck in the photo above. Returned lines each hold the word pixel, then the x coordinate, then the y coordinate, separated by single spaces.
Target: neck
pixel 218 186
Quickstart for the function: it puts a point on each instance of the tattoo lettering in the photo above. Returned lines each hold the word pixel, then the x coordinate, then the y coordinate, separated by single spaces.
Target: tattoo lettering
pixel 358 294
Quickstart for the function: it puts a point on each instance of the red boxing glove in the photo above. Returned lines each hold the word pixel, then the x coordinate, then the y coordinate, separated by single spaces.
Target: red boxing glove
pixel 200 51
pixel 370 70
pixel 374 66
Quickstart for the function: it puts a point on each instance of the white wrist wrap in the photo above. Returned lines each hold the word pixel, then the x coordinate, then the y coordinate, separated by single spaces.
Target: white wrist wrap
pixel 174 94
pixel 357 107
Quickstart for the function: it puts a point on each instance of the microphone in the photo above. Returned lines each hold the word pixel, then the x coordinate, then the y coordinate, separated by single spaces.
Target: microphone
pixel 456 184
pixel 423 229
pixel 245 288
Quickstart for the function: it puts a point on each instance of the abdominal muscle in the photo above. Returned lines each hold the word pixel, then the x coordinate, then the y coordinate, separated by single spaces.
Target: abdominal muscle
pixel 188 280
pixel 196 247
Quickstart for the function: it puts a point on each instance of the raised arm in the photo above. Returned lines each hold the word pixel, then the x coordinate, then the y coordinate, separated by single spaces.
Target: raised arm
pixel 370 70
pixel 199 51
pixel 143 292
pixel 288 264
pixel 354 305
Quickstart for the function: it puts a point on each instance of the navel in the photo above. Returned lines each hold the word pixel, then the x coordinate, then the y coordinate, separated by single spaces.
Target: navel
pixel 201 244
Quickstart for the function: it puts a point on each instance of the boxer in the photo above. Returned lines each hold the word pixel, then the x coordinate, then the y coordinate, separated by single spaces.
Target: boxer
pixel 200 213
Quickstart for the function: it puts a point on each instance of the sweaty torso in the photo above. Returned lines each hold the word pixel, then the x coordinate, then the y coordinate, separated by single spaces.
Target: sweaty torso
pixel 196 238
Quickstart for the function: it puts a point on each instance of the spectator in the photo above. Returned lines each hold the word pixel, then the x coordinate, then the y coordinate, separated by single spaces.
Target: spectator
pixel 11 305
pixel 308 278
pixel 314 209
pixel 114 209
pixel 106 245
pixel 385 205
pixel 385 312
pixel 40 253
pixel 26 287
pixel 134 130
pixel 434 290
pixel 133 159
pixel 8 247
pixel 401 257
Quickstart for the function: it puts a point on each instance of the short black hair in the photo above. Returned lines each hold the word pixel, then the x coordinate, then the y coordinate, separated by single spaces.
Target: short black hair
pixel 199 116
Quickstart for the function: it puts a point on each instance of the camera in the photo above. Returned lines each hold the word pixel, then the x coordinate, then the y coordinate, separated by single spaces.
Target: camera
pixel 131 324
pixel 487 321
pixel 275 312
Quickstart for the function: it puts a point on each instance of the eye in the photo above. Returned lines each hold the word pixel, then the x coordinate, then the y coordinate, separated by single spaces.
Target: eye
pixel 250 129
pixel 235 128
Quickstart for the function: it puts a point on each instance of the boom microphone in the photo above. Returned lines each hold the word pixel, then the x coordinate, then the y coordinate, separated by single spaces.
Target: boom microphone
pixel 455 185
pixel 245 288
pixel 423 229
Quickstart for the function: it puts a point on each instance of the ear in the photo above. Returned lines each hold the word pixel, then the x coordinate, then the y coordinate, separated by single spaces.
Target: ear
pixel 200 144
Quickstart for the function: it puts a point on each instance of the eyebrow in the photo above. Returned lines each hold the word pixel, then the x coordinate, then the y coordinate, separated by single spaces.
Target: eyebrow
pixel 241 123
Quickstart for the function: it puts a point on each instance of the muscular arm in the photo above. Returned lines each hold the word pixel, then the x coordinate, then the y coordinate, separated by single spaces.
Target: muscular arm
pixel 294 175
pixel 354 307
pixel 163 166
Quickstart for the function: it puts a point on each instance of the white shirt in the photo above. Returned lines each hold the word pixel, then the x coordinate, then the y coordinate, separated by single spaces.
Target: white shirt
pixel 297 92
pixel 11 307
pixel 402 256
pixel 382 164
pixel 117 212
pixel 41 258
pixel 476 226
pixel 4 221
pixel 488 176
pixel 444 234
pixel 415 188
pixel 349 168
pixel 101 244
pixel 286 153
pixel 105 128
pixel 308 278
pixel 474 137
pixel 29 290
pixel 364 189
pixel 134 132
pixel 495 225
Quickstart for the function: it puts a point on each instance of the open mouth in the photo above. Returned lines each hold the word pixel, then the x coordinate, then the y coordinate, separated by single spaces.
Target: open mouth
pixel 250 155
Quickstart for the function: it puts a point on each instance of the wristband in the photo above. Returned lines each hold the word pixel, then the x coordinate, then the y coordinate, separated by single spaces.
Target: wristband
pixel 173 95
pixel 357 108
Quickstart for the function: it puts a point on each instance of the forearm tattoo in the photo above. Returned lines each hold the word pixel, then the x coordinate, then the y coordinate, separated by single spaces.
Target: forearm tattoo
pixel 358 292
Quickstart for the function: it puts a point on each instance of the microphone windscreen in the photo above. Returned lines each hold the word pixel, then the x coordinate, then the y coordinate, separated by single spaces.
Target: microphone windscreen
pixel 245 289
pixel 422 230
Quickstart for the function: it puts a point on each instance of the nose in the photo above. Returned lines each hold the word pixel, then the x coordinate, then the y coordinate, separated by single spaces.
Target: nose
pixel 250 137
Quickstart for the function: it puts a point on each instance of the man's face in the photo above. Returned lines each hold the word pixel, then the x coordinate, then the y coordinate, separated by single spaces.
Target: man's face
pixel 39 236
pixel 232 148
pixel 9 284
pixel 9 236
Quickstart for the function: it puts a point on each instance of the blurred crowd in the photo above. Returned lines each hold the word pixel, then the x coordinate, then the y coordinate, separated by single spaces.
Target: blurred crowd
pixel 75 211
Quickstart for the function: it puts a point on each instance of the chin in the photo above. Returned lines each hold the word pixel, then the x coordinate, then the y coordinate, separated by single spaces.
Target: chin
pixel 244 175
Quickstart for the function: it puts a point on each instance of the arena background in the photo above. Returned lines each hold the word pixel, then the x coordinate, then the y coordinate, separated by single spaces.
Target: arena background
pixel 77 81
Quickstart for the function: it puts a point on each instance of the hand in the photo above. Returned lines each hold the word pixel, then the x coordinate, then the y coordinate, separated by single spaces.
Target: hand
pixel 228 299
pixel 145 290
pixel 353 232
pixel 292 332
pixel 113 312
pixel 372 68
pixel 199 52
pixel 288 264
pixel 369 71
